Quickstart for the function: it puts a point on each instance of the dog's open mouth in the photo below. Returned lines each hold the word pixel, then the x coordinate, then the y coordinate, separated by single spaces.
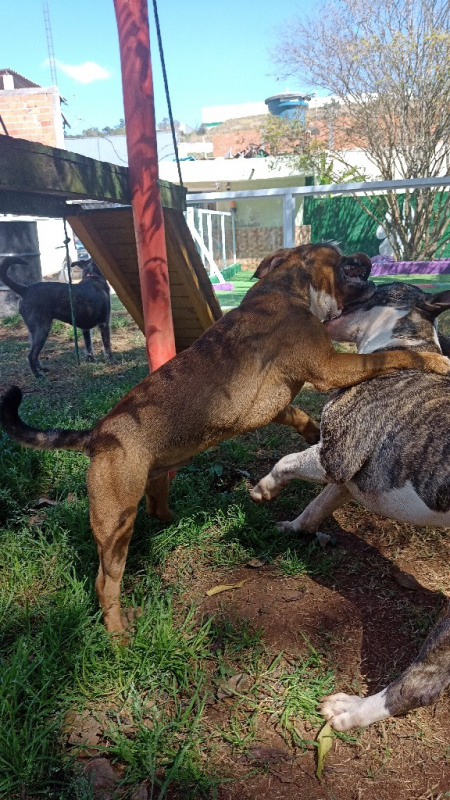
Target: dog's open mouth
pixel 355 272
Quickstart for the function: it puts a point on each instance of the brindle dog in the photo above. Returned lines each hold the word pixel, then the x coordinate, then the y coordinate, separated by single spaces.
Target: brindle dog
pixel 385 443
pixel 240 374
pixel 44 301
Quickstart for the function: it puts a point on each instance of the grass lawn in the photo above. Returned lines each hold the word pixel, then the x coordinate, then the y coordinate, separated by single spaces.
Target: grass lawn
pixel 216 695
pixel 242 283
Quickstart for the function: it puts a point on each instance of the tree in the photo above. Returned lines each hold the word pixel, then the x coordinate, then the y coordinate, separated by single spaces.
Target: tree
pixel 388 65
pixel 290 140
pixel 164 125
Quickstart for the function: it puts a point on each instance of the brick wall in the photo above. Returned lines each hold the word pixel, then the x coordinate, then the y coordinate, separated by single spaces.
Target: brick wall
pixel 254 244
pixel 236 140
pixel 33 114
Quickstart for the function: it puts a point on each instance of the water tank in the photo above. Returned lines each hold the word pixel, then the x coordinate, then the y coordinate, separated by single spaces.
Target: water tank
pixel 19 238
pixel 288 105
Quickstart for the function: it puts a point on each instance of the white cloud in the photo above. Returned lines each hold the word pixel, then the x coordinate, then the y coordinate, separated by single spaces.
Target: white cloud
pixel 84 73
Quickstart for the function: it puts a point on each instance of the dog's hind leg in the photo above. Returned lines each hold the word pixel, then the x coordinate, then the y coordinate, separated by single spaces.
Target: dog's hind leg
pixel 106 339
pixel 157 497
pixel 300 421
pixel 88 344
pixel 318 510
pixel 38 336
pixel 115 485
pixel 420 685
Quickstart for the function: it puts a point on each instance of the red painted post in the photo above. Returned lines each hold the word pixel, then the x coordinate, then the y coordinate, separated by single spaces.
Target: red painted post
pixel 137 83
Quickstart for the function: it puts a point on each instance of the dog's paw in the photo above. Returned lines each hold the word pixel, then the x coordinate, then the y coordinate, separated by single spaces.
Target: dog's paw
pixel 265 490
pixel 438 363
pixel 286 526
pixel 346 711
pixel 90 357
pixel 256 494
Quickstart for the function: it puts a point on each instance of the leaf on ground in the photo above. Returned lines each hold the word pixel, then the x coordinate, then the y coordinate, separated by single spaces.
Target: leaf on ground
pixel 266 755
pixel 324 741
pixel 405 579
pixel 44 502
pixel 239 683
pixel 224 587
pixel 255 563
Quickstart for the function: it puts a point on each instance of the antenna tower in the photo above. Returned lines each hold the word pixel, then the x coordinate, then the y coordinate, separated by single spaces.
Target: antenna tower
pixel 51 54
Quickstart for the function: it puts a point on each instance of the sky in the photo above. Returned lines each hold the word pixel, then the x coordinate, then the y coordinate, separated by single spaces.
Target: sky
pixel 216 53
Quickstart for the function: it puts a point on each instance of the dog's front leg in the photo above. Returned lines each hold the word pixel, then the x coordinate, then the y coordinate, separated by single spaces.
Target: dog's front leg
pixel 305 465
pixel 300 421
pixel 420 685
pixel 338 370
pixel 88 345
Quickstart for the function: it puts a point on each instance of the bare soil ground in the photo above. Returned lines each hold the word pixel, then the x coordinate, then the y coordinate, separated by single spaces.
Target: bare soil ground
pixel 364 616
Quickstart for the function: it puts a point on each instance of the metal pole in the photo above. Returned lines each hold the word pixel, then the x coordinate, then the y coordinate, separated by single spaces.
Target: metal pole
pixel 69 275
pixel 288 220
pixel 224 244
pixel 137 83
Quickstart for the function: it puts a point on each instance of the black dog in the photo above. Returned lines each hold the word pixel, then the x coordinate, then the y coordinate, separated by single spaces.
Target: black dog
pixel 43 302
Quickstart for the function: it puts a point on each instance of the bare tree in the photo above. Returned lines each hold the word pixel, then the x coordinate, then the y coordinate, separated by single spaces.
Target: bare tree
pixel 388 63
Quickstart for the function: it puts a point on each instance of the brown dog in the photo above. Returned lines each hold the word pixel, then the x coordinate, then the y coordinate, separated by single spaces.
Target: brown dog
pixel 241 374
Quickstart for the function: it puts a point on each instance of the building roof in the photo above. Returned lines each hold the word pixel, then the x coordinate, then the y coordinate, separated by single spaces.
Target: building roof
pixel 20 82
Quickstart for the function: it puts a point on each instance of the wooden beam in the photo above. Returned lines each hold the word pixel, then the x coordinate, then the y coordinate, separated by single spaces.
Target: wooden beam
pixel 30 168
pixel 33 167
pixel 33 205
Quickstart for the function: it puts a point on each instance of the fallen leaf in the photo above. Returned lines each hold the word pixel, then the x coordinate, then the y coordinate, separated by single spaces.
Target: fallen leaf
pixel 255 563
pixel 236 684
pixel 224 587
pixel 405 579
pixel 103 778
pixel 44 502
pixel 267 755
pixel 282 776
pixel 291 595
pixel 324 741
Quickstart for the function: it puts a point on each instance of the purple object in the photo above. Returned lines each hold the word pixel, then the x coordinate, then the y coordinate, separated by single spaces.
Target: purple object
pixel 439 267
pixel 223 287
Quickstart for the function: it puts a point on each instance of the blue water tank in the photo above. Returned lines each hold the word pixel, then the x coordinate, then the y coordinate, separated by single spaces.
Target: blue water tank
pixel 288 105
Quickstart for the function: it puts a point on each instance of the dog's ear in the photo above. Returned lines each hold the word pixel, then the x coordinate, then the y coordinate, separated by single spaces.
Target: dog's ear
pixel 269 263
pixel 436 304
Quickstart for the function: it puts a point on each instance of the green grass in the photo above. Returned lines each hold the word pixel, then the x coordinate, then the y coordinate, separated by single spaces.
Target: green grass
pixel 242 283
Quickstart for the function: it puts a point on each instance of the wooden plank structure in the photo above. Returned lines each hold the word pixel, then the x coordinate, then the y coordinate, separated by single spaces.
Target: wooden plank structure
pixel 39 180
pixel 108 234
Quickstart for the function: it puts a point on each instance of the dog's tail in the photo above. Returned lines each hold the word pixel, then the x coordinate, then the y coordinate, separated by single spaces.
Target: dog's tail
pixel 8 262
pixel 33 437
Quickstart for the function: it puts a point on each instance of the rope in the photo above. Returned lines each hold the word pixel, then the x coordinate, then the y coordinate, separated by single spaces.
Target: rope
pixel 166 87
pixel 69 275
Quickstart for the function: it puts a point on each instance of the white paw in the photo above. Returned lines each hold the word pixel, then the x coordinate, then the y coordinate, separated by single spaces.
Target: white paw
pixel 345 711
pixel 264 490
pixel 256 494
